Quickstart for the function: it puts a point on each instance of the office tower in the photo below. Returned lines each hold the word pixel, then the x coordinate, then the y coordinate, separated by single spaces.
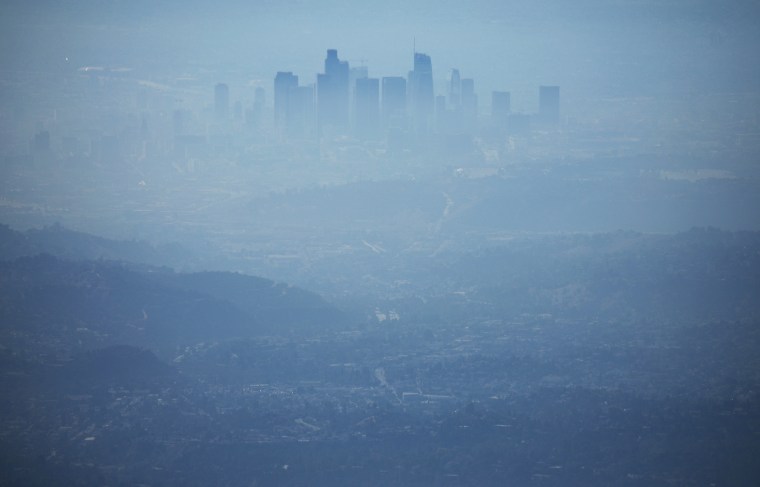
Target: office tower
pixel 421 92
pixel 455 89
pixel 301 112
pixel 469 103
pixel 333 92
pixel 394 101
pixel 333 65
pixel 285 84
pixel 548 105
pixel 500 107
pixel 355 73
pixel 221 101
pixel 367 111
pixel 325 101
pixel 294 110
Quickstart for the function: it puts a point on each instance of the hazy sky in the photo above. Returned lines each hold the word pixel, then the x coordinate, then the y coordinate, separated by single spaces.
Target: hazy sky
pixel 590 47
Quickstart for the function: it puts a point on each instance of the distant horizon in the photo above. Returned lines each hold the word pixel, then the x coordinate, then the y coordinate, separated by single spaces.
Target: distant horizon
pixel 617 48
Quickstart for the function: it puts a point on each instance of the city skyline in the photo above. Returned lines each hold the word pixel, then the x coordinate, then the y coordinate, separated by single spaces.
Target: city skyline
pixel 345 98
pixel 331 242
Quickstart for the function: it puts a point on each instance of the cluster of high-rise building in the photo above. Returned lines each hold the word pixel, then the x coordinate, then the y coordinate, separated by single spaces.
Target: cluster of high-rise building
pixel 401 112
pixel 345 100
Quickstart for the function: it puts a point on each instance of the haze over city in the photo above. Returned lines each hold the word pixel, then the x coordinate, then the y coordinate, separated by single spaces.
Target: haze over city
pixel 379 243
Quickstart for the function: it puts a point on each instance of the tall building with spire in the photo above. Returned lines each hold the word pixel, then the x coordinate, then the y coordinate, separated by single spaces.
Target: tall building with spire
pixel 421 92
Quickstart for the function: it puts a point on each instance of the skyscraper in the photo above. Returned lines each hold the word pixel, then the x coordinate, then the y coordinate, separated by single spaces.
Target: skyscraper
pixel 333 92
pixel 221 101
pixel 367 108
pixel 548 105
pixel 285 85
pixel 469 104
pixel 421 92
pixel 394 101
pixel 354 74
pixel 455 89
pixel 301 113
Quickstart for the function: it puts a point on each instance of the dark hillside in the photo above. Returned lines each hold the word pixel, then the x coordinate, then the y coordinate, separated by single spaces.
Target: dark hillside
pixel 49 305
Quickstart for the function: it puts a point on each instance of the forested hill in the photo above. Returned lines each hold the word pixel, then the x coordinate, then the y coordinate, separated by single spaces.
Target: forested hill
pixel 51 305
pixel 69 244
